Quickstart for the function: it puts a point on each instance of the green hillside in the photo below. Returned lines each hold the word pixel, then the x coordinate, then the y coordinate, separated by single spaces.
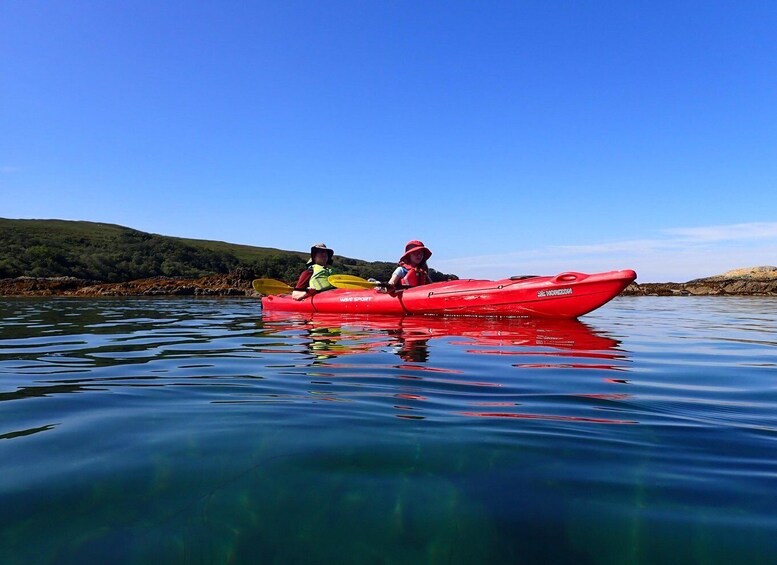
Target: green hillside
pixel 112 253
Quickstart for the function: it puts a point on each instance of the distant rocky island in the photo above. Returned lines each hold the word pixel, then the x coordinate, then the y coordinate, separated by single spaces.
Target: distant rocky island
pixel 752 281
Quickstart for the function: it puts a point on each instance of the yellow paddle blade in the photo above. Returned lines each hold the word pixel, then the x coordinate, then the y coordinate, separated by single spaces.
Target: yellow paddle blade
pixel 351 282
pixel 270 286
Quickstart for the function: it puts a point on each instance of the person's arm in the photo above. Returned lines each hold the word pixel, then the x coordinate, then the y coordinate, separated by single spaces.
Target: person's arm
pixel 301 288
pixel 396 276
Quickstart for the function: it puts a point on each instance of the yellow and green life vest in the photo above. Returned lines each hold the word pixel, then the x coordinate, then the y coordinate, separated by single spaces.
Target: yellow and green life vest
pixel 319 280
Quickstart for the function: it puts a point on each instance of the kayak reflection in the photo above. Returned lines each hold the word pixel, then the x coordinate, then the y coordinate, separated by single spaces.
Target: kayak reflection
pixel 333 335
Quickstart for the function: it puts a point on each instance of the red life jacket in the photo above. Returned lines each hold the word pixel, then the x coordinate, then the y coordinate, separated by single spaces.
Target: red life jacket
pixel 416 276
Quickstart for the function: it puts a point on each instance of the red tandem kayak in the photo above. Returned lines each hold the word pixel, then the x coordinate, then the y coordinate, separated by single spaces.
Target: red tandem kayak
pixel 567 295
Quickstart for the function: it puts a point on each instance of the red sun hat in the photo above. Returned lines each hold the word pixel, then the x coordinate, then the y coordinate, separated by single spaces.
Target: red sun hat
pixel 412 246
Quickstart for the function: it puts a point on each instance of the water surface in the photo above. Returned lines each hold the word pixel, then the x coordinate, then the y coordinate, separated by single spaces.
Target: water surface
pixel 200 430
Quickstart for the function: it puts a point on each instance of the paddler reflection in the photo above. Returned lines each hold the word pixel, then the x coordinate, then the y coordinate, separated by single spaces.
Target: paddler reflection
pixel 331 336
pixel 412 345
pixel 324 343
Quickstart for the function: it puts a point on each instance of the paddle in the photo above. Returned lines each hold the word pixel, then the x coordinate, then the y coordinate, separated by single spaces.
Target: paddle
pixel 270 286
pixel 352 282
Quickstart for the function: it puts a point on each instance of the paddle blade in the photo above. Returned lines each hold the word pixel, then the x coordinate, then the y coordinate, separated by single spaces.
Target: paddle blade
pixel 270 286
pixel 350 282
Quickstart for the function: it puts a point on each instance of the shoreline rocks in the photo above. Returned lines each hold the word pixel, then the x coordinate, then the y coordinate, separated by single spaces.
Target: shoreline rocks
pixel 723 288
pixel 753 281
pixel 212 285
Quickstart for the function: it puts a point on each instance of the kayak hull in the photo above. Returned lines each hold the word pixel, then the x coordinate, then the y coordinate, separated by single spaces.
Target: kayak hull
pixel 567 295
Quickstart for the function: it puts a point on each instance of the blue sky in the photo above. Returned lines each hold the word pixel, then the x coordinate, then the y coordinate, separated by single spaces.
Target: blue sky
pixel 511 137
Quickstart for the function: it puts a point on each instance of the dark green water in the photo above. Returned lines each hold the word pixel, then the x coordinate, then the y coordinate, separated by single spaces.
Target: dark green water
pixel 199 431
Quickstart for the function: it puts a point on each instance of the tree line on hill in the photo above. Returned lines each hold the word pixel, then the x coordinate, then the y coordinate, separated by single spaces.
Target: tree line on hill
pixel 99 252
pixel 127 256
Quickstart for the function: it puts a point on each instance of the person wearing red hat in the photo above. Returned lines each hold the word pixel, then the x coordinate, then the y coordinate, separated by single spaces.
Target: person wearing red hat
pixel 412 270
pixel 315 278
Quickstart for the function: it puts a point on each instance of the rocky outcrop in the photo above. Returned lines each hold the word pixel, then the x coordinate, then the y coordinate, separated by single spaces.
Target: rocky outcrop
pixel 766 274
pixel 31 286
pixel 751 281
pixel 213 285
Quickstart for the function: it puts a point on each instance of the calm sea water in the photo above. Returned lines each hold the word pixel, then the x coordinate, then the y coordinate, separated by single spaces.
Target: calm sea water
pixel 202 431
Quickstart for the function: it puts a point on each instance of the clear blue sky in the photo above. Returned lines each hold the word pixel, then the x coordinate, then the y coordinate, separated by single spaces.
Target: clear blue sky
pixel 511 137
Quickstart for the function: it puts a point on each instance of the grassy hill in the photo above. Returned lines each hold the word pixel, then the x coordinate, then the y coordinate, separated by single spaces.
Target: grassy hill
pixel 112 253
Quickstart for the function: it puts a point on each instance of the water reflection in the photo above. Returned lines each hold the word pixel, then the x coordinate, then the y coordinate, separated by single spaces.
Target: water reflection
pixel 432 380
pixel 413 367
pixel 330 336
